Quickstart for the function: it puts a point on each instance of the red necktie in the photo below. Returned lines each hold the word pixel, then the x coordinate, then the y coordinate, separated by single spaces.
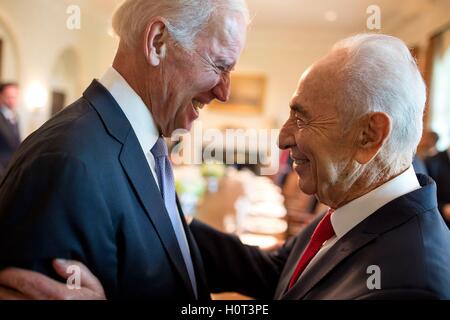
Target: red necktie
pixel 322 233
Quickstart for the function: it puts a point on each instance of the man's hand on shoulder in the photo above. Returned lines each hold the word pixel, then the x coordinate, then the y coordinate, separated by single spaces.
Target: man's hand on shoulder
pixel 446 211
pixel 19 284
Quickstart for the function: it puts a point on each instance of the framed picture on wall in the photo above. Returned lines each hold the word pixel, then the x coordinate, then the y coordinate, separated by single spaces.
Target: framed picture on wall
pixel 247 95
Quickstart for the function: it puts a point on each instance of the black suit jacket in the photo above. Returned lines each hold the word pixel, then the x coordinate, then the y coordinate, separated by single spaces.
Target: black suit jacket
pixel 80 188
pixel 438 168
pixel 9 142
pixel 407 239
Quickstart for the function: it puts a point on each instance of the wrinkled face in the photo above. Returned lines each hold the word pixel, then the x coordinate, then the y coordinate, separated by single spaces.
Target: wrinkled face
pixel 322 154
pixel 190 80
pixel 9 97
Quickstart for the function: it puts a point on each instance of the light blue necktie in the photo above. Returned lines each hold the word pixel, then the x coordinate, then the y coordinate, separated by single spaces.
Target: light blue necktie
pixel 167 187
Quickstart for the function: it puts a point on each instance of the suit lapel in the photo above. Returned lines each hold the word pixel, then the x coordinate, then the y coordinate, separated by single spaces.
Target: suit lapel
pixel 342 249
pixel 376 224
pixel 136 167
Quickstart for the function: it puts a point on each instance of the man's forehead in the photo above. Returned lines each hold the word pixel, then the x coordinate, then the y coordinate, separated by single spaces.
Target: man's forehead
pixel 226 31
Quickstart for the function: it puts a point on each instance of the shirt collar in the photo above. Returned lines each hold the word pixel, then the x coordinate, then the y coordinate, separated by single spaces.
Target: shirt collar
pixel 135 110
pixel 350 215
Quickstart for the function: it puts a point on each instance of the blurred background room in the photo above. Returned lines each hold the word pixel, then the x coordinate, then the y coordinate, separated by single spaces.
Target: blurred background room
pixel 50 50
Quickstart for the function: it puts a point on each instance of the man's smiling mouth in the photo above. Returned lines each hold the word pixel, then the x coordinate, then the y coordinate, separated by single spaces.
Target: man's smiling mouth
pixel 299 159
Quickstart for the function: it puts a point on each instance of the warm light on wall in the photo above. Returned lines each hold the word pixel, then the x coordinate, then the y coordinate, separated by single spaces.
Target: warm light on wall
pixel 36 97
pixel 331 16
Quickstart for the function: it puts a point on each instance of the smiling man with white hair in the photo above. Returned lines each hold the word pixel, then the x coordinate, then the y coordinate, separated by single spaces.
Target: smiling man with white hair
pixel 95 184
pixel 355 123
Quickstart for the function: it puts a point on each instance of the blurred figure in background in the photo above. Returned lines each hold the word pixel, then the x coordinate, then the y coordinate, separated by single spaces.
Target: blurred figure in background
pixel 419 165
pixel 439 169
pixel 427 145
pixel 9 129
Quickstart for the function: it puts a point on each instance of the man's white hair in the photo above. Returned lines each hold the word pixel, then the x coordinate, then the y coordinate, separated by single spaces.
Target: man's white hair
pixel 381 75
pixel 185 18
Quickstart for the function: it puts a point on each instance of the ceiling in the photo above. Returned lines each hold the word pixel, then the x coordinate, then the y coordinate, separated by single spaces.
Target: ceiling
pixel 350 14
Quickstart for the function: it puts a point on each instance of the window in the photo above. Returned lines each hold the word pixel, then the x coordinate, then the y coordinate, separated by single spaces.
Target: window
pixel 440 91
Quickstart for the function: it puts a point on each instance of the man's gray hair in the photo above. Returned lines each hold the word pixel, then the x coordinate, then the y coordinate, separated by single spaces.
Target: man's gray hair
pixel 381 75
pixel 184 18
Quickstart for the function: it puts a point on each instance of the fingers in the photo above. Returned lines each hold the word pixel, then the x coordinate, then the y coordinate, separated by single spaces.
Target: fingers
pixel 30 284
pixel 24 284
pixel 8 294
pixel 88 280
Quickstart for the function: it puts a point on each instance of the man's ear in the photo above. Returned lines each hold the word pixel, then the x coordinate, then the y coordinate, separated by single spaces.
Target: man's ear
pixel 374 132
pixel 156 37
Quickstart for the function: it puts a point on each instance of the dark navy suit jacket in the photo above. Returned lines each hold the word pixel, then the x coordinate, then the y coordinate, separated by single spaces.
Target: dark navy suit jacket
pixel 439 169
pixel 80 188
pixel 407 239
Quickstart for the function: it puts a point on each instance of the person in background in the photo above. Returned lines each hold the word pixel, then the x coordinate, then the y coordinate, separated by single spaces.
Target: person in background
pixel 438 168
pixel 9 127
pixel 427 145
pixel 419 165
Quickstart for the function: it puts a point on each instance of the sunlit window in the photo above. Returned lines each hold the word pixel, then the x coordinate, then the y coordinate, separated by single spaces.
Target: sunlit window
pixel 440 91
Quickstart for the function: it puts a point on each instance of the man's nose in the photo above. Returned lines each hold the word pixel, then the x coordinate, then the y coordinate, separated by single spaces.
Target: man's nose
pixel 286 139
pixel 223 89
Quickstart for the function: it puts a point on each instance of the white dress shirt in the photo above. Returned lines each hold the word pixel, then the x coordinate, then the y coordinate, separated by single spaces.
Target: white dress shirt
pixel 350 215
pixel 136 111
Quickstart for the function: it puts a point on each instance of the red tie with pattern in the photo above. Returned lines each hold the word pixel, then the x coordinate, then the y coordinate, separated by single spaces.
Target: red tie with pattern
pixel 322 233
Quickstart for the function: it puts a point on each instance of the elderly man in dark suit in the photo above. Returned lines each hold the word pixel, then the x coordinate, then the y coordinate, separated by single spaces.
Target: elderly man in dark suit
pixel 9 127
pixel 355 122
pixel 94 183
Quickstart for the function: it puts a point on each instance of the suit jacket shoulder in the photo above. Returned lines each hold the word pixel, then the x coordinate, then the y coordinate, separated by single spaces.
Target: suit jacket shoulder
pixel 400 251
pixel 80 188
